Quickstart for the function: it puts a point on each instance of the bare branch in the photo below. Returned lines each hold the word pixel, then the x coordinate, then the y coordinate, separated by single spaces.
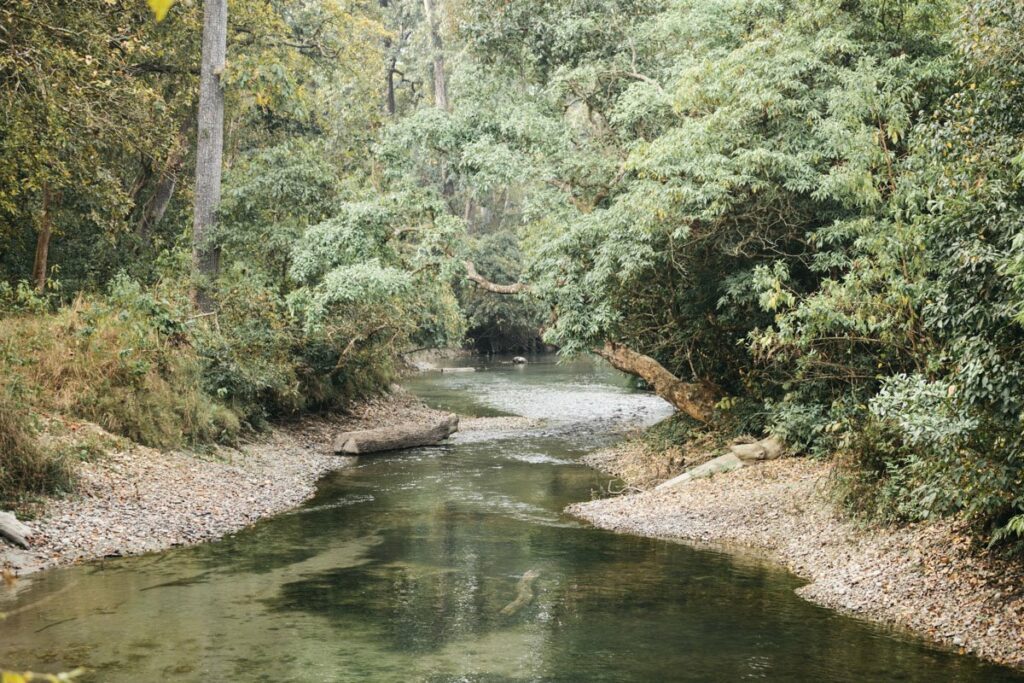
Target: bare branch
pixel 484 283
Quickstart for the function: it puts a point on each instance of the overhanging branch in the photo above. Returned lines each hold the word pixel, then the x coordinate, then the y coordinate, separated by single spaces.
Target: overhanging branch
pixel 484 283
pixel 695 399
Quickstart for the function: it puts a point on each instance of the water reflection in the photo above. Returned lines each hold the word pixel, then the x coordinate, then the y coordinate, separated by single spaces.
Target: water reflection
pixel 400 568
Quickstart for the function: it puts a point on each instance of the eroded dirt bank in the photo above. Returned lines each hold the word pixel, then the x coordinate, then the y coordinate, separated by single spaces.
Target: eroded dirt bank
pixel 925 577
pixel 141 500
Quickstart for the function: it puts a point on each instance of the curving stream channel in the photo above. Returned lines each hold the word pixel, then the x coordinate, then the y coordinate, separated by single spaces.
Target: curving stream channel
pixel 401 567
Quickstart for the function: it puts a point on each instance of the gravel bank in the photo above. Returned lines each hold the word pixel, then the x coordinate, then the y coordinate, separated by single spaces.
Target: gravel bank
pixel 924 577
pixel 141 500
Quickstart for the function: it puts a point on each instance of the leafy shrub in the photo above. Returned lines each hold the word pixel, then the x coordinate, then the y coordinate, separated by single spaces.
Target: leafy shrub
pixel 925 452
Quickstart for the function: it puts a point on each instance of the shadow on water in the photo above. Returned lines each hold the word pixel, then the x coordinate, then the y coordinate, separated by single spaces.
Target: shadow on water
pixel 407 567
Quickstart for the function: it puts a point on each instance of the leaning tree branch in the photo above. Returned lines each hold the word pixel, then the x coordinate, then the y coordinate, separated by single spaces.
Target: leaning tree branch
pixel 695 399
pixel 493 287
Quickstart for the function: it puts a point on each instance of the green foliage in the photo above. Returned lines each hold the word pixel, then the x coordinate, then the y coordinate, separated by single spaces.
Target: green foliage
pixel 814 206
pixel 911 348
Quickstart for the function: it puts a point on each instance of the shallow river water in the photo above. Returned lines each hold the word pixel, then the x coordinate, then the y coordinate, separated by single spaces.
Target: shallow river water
pixel 401 566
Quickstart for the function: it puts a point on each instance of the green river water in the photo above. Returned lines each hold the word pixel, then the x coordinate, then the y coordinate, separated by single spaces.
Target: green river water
pixel 399 568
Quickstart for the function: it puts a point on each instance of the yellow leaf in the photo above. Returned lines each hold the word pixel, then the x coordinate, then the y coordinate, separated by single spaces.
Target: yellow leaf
pixel 160 8
pixel 11 677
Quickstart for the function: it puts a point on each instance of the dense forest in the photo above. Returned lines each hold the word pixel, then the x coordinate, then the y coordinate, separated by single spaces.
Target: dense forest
pixel 802 218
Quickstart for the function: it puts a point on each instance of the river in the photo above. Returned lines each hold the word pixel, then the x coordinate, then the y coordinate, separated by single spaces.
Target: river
pixel 400 567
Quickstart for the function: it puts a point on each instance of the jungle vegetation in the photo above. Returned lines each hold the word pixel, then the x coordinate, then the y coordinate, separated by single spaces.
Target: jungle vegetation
pixel 793 217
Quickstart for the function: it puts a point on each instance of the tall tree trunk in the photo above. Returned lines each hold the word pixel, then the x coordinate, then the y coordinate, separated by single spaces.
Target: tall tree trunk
pixel 437 48
pixel 389 101
pixel 695 399
pixel 39 264
pixel 209 147
pixel 389 76
pixel 155 208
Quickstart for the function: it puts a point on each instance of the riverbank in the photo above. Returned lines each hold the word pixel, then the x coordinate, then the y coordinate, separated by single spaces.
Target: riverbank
pixel 924 577
pixel 135 500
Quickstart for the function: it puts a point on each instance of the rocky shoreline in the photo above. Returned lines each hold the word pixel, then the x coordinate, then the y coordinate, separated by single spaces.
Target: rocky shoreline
pixel 138 500
pixel 925 577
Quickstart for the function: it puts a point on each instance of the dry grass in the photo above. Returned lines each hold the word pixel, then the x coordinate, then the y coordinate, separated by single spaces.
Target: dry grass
pixel 25 468
pixel 114 365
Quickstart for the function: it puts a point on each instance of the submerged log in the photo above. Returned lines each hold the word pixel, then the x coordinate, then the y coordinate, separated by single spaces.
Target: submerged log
pixel 524 593
pixel 410 435
pixel 739 455
pixel 13 530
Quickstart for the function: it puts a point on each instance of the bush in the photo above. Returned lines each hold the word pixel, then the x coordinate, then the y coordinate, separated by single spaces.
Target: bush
pixel 263 362
pixel 924 452
pixel 24 467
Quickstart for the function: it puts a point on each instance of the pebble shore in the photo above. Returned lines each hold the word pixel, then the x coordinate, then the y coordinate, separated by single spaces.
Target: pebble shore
pixel 925 577
pixel 141 500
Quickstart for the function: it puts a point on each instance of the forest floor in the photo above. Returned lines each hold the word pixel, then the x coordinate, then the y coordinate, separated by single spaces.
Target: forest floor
pixel 928 578
pixel 134 499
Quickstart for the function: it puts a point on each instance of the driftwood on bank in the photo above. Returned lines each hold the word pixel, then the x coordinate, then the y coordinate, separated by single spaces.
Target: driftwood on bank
pixel 13 530
pixel 739 455
pixel 410 435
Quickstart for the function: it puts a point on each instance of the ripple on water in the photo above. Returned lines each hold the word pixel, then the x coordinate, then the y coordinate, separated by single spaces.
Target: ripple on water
pixel 343 502
pixel 538 459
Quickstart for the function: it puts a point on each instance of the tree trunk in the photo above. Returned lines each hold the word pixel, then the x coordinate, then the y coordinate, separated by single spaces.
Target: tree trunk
pixel 437 48
pixel 397 437
pixel 696 400
pixel 389 101
pixel 209 147
pixel 39 265
pixel 494 288
pixel 155 208
pixel 389 76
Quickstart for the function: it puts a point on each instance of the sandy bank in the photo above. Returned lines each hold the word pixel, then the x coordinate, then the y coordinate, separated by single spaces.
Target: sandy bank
pixel 141 500
pixel 924 577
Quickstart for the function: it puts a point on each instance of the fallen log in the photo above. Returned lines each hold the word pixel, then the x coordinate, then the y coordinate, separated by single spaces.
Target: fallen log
pixel 13 530
pixel 739 455
pixel 409 435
